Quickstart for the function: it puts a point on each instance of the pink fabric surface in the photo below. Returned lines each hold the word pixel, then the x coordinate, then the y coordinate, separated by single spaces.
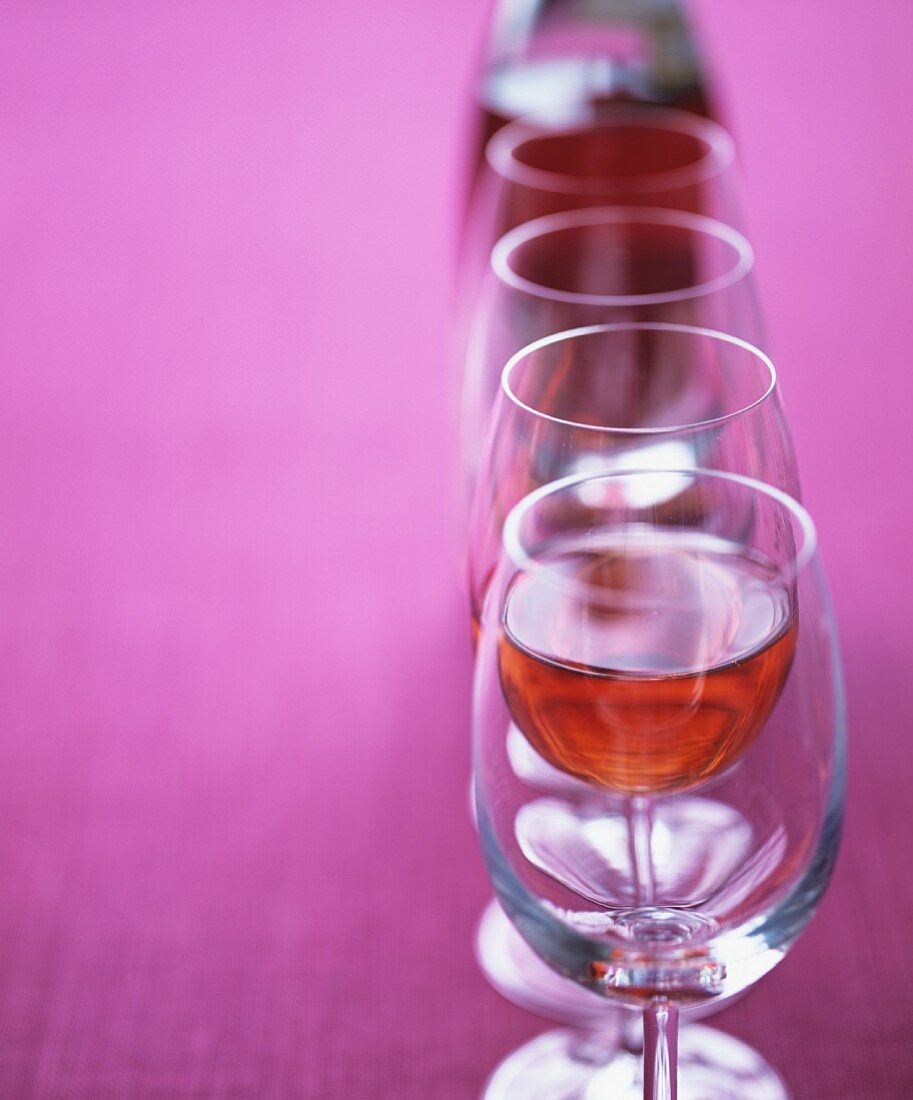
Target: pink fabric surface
pixel 234 847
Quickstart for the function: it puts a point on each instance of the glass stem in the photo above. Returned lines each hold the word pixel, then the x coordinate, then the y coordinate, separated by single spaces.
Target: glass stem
pixel 640 834
pixel 660 1050
pixel 660 1018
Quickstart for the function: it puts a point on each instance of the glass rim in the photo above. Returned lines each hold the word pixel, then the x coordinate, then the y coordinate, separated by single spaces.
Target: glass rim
pixel 501 149
pixel 512 542
pixel 637 326
pixel 697 224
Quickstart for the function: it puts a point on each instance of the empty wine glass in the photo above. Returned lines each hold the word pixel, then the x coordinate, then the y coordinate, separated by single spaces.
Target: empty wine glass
pixel 586 267
pixel 663 640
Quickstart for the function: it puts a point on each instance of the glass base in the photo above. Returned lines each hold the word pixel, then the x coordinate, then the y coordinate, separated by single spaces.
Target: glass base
pixel 512 967
pixel 516 972
pixel 571 1065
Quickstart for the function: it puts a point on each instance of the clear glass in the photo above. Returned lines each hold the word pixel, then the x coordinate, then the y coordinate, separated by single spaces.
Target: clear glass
pixel 610 397
pixel 586 267
pixel 570 158
pixel 624 396
pixel 573 158
pixel 663 640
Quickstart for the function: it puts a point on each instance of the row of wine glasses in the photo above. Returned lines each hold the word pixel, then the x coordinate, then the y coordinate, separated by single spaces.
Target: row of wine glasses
pixel 586 267
pixel 637 560
pixel 577 156
pixel 576 266
pixel 666 413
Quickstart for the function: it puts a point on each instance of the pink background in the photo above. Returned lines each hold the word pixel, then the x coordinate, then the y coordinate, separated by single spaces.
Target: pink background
pixel 234 848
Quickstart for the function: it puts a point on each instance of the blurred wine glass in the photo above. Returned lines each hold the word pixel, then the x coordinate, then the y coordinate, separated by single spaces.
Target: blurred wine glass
pixel 663 640
pixel 593 266
pixel 572 157
pixel 541 52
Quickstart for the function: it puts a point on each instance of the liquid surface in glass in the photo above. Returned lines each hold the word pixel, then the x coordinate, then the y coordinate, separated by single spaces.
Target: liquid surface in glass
pixel 649 664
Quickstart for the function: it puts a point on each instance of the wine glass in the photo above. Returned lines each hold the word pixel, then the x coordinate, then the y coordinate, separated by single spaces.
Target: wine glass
pixel 662 639
pixel 609 397
pixel 575 156
pixel 624 395
pixel 609 264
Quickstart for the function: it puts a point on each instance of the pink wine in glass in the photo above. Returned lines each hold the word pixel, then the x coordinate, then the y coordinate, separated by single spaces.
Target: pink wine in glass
pixel 648 664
